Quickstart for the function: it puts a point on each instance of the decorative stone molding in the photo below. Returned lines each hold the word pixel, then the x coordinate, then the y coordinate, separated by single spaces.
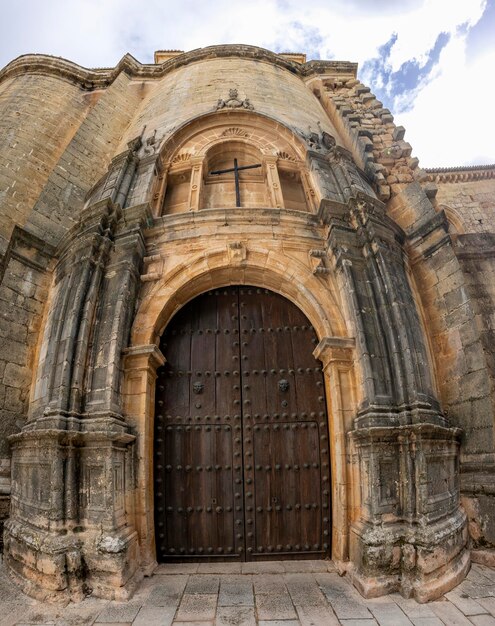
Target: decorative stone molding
pixel 237 252
pixel 101 78
pixel 318 261
pixel 235 132
pixel 462 174
pixel 285 156
pixel 182 157
pixel 339 350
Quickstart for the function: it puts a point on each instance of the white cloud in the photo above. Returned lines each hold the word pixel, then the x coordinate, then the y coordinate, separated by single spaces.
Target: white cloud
pixel 419 29
pixel 448 125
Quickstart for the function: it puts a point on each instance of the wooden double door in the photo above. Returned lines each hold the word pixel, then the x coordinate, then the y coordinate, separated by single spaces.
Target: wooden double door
pixel 241 454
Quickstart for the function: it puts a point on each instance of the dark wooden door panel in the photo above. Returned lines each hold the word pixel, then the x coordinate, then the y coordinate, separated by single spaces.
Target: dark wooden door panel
pixel 284 430
pixel 288 504
pixel 198 454
pixel 198 490
pixel 241 444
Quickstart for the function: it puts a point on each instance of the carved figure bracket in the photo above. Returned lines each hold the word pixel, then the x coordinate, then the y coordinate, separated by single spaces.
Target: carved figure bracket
pixel 237 252
pixel 320 141
pixel 234 102
pixel 318 261
pixel 151 144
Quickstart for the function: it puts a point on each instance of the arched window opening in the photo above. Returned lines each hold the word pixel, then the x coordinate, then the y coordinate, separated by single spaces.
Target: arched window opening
pixel 219 189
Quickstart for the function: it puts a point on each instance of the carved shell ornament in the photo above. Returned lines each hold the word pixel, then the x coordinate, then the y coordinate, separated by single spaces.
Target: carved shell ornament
pixel 234 102
pixel 235 132
pixel 183 157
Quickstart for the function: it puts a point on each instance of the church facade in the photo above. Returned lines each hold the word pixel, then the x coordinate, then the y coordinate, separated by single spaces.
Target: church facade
pixel 238 322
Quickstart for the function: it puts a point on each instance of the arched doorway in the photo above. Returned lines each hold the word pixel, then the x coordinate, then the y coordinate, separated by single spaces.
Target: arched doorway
pixel 241 454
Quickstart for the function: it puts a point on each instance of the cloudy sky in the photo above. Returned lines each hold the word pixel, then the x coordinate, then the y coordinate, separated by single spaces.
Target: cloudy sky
pixel 431 62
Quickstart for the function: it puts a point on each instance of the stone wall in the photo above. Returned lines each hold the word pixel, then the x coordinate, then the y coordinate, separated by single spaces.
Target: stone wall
pixel 39 117
pixel 93 269
pixel 467 195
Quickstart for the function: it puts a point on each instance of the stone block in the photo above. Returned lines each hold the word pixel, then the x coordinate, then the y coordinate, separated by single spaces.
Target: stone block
pixel 197 607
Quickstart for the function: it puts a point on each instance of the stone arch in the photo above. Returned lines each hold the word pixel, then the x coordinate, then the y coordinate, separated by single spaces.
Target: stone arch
pixel 183 158
pixel 207 271
pixel 454 220
pixel 204 131
pixel 335 349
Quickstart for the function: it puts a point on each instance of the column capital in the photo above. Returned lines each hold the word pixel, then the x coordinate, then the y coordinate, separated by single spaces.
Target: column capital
pixel 335 349
pixel 139 357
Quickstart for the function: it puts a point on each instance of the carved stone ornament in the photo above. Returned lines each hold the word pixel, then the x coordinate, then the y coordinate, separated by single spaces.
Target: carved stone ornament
pixel 198 387
pixel 233 102
pixel 237 252
pixel 320 141
pixel 318 261
pixel 283 384
pixel 151 144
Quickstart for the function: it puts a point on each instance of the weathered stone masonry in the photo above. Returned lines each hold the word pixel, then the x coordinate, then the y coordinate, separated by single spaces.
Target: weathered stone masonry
pixel 111 223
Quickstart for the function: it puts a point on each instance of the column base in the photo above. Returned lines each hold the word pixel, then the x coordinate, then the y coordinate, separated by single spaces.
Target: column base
pixel 112 564
pixel 46 566
pixel 483 556
pixel 421 563
pixel 61 568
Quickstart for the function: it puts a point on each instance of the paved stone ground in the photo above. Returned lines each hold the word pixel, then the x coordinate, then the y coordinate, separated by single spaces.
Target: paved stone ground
pixel 304 593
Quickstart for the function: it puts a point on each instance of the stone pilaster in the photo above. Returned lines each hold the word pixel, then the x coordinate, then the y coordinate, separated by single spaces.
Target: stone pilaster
pixel 140 367
pixel 273 182
pixel 337 356
pixel 196 185
pixel 73 463
pixel 406 534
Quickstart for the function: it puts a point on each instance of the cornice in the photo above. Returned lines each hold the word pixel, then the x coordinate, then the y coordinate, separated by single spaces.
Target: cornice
pixel 460 174
pixel 99 78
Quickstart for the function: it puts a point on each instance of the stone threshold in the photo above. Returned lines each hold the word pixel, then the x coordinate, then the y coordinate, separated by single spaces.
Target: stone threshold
pixel 251 567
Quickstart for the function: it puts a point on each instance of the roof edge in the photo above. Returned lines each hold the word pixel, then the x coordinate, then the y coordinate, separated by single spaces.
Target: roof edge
pixel 98 78
pixel 460 174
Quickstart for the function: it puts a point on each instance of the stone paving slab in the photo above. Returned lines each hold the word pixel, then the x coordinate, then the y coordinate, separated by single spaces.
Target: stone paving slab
pixel 240 616
pixel 155 615
pixel 305 593
pixel 236 591
pixel 427 621
pixel 195 607
pixel 483 620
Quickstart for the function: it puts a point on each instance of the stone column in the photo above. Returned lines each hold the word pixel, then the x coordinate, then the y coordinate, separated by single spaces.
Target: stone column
pixel 119 291
pixel 337 357
pixel 140 365
pixel 408 532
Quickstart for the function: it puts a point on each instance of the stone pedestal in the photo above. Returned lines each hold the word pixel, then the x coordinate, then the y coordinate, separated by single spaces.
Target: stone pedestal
pixel 69 531
pixel 410 534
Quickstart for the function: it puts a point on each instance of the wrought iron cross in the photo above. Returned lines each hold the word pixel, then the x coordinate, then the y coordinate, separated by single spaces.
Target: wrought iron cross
pixel 236 169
